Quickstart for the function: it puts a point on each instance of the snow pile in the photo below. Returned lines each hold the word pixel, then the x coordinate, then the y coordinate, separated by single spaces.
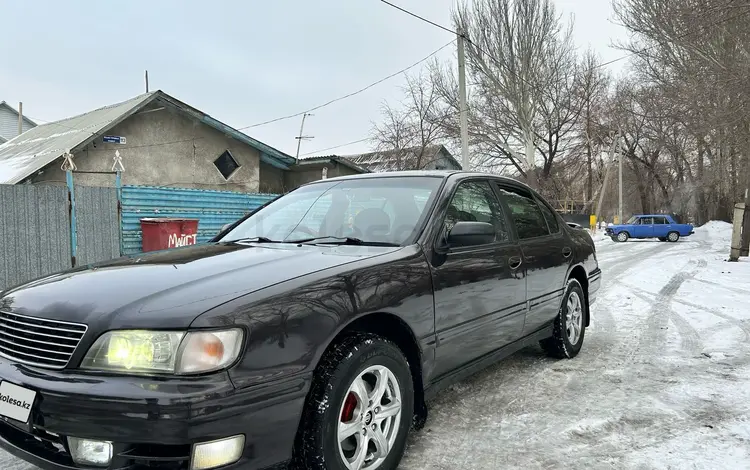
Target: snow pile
pixel 716 233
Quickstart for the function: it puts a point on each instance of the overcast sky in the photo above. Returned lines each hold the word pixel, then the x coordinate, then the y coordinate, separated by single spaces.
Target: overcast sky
pixel 241 61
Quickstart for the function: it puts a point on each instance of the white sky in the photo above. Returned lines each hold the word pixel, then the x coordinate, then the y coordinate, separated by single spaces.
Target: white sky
pixel 241 61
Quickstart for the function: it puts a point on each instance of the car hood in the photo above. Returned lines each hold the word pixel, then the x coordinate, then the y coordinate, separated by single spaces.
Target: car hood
pixel 618 226
pixel 169 289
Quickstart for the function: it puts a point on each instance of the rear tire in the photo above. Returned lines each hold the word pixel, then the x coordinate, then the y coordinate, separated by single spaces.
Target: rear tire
pixel 673 236
pixel 570 325
pixel 623 237
pixel 361 379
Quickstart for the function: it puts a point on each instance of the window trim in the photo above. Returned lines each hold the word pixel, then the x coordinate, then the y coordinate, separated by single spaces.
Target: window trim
pixel 440 218
pixel 542 202
pixel 234 172
pixel 499 184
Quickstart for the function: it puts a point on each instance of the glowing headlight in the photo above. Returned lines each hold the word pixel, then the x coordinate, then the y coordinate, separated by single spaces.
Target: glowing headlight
pixel 171 352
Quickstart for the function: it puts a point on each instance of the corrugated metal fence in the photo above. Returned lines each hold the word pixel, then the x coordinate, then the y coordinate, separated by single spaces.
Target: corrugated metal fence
pixel 212 208
pixel 35 230
pixel 35 221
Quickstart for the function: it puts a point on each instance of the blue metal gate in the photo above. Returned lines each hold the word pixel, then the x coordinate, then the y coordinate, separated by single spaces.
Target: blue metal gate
pixel 213 209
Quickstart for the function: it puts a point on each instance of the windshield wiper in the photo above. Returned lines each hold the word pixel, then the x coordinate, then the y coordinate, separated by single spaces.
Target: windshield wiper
pixel 330 240
pixel 255 240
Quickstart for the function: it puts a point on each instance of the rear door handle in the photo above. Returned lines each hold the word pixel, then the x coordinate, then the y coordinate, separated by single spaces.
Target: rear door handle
pixel 567 252
pixel 514 262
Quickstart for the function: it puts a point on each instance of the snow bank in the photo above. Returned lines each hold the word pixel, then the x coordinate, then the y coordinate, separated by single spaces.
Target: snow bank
pixel 716 227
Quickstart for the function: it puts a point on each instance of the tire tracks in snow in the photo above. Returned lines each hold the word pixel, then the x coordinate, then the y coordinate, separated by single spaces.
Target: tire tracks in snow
pixel 661 313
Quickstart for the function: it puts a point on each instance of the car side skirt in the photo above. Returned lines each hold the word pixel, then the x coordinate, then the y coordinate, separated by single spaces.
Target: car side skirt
pixel 481 363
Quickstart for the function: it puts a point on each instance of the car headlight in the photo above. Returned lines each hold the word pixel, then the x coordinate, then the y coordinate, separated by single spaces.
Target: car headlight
pixel 170 352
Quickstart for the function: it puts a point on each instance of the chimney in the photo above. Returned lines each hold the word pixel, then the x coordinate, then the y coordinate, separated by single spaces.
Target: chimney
pixel 20 118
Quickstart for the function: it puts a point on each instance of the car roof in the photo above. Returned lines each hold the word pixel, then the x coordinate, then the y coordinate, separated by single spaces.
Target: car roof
pixel 651 215
pixel 420 173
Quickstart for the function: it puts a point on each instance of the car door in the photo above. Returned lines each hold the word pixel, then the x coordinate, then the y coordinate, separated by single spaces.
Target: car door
pixel 645 227
pixel 480 291
pixel 661 227
pixel 546 253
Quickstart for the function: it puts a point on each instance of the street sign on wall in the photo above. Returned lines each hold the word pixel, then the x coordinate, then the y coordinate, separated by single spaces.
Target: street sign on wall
pixel 114 139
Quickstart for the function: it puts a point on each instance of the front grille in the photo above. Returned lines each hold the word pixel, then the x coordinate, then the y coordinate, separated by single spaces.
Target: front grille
pixel 38 341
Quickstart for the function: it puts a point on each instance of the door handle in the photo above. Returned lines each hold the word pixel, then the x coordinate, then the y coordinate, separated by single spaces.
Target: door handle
pixel 514 262
pixel 567 252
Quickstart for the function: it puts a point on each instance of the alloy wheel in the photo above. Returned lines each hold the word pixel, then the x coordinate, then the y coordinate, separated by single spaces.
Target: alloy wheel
pixel 673 237
pixel 574 318
pixel 369 419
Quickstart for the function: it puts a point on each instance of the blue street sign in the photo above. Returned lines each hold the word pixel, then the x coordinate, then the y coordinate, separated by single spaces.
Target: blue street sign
pixel 114 139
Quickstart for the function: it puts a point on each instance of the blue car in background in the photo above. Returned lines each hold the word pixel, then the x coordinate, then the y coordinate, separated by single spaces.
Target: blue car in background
pixel 661 226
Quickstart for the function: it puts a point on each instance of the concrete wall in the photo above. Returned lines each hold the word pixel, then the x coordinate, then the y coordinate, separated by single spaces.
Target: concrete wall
pixel 271 179
pixel 164 148
pixel 295 179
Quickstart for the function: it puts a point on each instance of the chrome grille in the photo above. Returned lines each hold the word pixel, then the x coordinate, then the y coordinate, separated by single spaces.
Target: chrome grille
pixel 38 341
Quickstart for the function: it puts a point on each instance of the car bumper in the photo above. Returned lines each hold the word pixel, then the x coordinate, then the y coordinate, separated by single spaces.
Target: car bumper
pixel 152 423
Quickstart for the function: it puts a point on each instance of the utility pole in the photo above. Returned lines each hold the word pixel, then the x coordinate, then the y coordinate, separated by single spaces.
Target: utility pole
pixel 463 110
pixel 20 118
pixel 302 137
pixel 619 163
pixel 146 81
pixel 606 176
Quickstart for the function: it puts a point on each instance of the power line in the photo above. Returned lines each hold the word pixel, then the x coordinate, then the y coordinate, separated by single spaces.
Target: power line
pixel 337 146
pixel 419 17
pixel 604 64
pixel 350 94
pixel 448 115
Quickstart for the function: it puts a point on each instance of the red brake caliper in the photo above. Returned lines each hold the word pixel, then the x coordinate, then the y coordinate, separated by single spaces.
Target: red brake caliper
pixel 347 414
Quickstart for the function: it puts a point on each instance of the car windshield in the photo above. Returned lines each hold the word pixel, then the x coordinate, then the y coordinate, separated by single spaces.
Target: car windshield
pixel 632 220
pixel 371 210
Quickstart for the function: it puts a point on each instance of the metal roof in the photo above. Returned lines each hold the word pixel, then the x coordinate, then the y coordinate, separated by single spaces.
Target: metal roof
pixel 304 161
pixel 36 148
pixel 408 158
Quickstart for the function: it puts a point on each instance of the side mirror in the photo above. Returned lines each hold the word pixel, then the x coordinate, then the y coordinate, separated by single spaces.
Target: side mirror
pixel 226 226
pixel 471 233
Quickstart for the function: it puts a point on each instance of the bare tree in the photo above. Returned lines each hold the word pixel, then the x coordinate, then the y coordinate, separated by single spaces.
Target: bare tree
pixel 409 130
pixel 518 51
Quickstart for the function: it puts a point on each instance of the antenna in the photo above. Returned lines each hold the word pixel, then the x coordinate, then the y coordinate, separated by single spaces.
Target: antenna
pixel 146 81
pixel 302 137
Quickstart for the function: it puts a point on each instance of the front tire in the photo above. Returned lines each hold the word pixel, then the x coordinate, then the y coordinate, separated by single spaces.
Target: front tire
pixel 359 409
pixel 673 236
pixel 623 237
pixel 570 324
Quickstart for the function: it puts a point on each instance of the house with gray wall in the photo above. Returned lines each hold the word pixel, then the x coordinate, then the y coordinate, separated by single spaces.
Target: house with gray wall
pixel 428 157
pixel 9 122
pixel 161 141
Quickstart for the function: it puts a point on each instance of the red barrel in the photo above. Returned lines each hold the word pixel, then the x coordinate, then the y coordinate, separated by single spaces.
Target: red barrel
pixel 164 233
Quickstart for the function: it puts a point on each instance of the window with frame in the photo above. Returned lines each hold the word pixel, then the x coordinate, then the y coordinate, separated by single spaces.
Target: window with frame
pixel 660 221
pixel 226 164
pixel 525 212
pixel 549 216
pixel 475 201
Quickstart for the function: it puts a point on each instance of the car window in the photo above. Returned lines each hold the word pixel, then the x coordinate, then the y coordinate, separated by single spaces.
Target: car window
pixel 474 201
pixel 637 221
pixel 660 221
pixel 382 210
pixel 526 214
pixel 647 221
pixel 549 216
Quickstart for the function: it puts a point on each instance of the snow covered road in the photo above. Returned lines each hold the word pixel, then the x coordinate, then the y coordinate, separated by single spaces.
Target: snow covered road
pixel 663 380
